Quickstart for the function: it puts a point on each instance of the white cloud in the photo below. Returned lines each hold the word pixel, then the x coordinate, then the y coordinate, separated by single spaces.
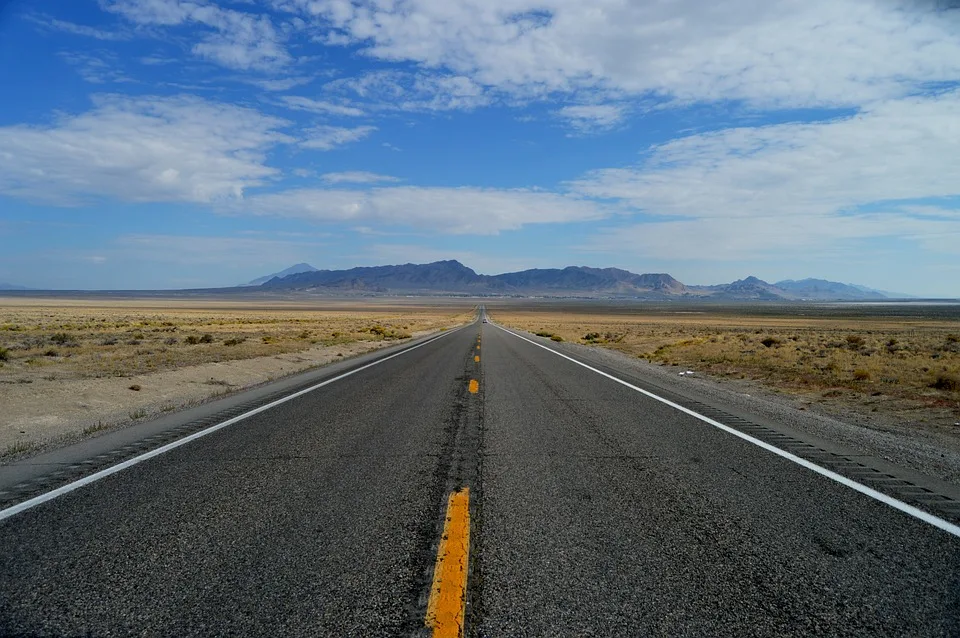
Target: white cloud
pixel 96 69
pixel 379 85
pixel 160 12
pixel 279 84
pixel 788 53
pixel 772 238
pixel 299 103
pixel 792 188
pixel 444 93
pixel 445 210
pixel 356 177
pixel 234 39
pixel 895 150
pixel 476 52
pixel 326 138
pixel 78 29
pixel 398 90
pixel 155 60
pixel 148 149
pixel 592 118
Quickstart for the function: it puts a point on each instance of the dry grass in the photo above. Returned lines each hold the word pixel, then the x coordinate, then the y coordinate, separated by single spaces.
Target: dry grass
pixel 877 364
pixel 71 339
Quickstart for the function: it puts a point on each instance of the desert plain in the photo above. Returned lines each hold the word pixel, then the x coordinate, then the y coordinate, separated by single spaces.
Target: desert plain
pixel 71 368
pixel 890 365
pixel 74 367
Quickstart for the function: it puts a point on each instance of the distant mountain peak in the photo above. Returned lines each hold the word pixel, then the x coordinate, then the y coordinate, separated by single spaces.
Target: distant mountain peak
pixel 451 263
pixel 811 288
pixel 292 270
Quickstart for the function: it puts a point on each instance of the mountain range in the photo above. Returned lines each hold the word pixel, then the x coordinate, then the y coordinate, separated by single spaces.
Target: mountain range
pixel 295 269
pixel 452 277
pixel 817 288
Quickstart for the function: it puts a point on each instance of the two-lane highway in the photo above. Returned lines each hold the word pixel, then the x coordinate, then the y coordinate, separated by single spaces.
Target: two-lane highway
pixel 316 517
pixel 582 506
pixel 606 512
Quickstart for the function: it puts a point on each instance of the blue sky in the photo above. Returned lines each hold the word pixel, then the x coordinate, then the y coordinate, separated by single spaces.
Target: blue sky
pixel 174 143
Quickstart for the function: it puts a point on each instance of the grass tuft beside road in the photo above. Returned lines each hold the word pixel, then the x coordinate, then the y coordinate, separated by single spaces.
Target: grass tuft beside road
pixel 121 340
pixel 72 368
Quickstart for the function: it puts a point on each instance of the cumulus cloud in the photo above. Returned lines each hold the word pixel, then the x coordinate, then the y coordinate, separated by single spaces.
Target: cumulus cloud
pixel 234 39
pixel 880 58
pixel 327 138
pixel 462 210
pixel 469 54
pixel 145 149
pixel 882 173
pixel 894 150
pixel 790 53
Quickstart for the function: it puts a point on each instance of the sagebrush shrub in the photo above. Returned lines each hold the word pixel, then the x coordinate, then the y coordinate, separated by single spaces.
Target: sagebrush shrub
pixel 946 382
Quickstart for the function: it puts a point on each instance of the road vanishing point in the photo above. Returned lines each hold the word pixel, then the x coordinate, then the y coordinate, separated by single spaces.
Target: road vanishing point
pixel 478 482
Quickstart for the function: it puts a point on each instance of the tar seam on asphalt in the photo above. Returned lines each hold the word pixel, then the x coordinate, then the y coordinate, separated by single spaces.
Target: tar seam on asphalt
pixel 457 467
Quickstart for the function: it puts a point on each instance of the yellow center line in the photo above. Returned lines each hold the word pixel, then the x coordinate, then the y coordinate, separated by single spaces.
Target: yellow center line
pixel 448 595
pixel 474 386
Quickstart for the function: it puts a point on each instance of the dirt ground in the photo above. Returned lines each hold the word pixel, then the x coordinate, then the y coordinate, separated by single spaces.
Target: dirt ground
pixel 892 370
pixel 71 368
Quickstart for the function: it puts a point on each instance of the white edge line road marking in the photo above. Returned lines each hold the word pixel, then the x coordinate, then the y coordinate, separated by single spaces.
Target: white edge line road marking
pixel 96 476
pixel 910 510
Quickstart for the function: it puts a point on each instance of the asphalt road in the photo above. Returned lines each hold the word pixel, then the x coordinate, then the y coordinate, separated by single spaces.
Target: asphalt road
pixel 595 511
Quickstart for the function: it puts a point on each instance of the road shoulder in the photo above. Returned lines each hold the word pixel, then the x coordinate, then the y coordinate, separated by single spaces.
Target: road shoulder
pixel 913 459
